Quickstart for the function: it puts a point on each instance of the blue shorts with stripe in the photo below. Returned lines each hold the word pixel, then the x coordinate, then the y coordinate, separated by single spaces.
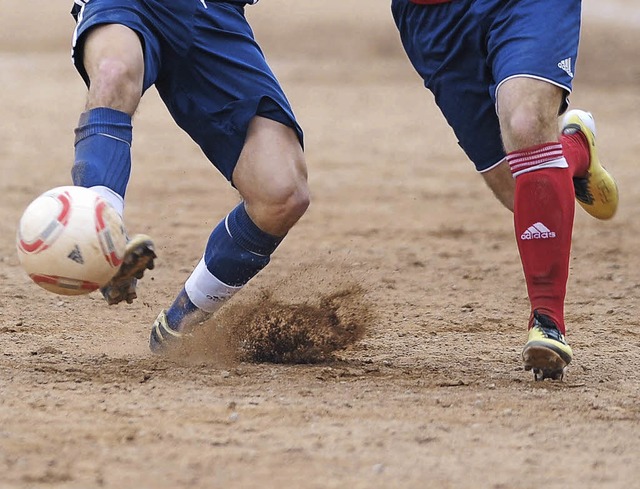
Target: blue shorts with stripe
pixel 465 49
pixel 205 63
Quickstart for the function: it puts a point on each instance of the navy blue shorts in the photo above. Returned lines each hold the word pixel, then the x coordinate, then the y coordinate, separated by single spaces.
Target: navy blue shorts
pixel 206 65
pixel 465 49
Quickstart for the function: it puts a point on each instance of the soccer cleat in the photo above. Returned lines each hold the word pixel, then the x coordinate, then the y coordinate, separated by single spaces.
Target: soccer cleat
pixel 546 351
pixel 162 336
pixel 138 257
pixel 597 191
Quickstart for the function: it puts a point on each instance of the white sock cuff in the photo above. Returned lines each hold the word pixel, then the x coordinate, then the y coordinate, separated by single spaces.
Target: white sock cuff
pixel 557 163
pixel 205 290
pixel 115 200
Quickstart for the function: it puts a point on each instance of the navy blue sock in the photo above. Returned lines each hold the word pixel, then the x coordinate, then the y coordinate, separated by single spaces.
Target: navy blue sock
pixel 180 308
pixel 238 249
pixel 103 149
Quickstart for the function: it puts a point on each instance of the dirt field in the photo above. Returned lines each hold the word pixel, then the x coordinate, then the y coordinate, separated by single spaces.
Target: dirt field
pixel 404 270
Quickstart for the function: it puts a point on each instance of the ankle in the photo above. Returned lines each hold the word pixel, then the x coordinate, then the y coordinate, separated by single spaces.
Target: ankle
pixel 184 314
pixel 575 148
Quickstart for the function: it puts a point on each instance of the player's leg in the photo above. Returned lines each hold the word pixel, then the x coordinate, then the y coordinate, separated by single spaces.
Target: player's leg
pixel 246 127
pixel 531 91
pixel 463 78
pixel 111 60
pixel 543 212
pixel 271 177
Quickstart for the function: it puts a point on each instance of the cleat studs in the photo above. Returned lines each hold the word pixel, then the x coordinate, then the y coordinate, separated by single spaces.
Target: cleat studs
pixel 542 374
pixel 138 258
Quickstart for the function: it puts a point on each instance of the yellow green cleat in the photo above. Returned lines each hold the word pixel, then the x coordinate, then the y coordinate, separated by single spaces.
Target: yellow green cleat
pixel 546 351
pixel 162 335
pixel 597 191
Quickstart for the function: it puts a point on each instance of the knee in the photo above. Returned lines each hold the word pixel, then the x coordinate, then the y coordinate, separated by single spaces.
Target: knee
pixel 288 202
pixel 279 203
pixel 116 83
pixel 114 71
pixel 298 201
pixel 525 126
pixel 528 112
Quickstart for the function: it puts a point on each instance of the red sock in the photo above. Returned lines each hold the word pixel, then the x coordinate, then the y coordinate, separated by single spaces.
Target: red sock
pixel 543 219
pixel 575 148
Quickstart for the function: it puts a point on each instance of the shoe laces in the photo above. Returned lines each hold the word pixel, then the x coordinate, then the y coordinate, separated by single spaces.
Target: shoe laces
pixel 547 326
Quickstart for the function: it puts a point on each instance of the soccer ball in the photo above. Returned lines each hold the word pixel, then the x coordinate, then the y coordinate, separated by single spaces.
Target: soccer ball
pixel 70 240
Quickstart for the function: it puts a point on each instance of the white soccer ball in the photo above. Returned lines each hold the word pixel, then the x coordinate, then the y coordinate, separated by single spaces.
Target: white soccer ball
pixel 70 240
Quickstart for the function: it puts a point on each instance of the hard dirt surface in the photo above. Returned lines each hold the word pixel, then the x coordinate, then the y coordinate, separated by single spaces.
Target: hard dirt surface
pixel 399 297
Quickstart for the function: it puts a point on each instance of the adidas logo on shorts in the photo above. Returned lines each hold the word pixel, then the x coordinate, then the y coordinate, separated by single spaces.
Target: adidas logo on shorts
pixel 565 65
